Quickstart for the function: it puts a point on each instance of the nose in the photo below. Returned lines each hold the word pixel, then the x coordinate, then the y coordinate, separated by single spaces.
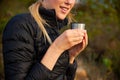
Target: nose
pixel 70 1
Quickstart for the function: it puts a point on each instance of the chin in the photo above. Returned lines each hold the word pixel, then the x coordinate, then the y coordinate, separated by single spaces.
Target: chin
pixel 61 17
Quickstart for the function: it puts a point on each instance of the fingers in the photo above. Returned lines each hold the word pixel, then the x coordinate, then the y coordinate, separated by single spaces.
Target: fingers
pixel 71 38
pixel 81 36
pixel 86 39
pixel 78 48
pixel 77 39
pixel 78 34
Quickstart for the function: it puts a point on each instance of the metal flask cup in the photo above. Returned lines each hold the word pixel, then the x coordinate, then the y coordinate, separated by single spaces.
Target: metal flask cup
pixel 76 25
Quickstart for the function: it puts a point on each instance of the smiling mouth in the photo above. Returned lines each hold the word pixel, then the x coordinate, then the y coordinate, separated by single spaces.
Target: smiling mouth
pixel 64 9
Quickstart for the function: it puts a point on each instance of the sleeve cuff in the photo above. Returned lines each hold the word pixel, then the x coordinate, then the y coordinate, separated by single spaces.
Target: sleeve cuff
pixel 39 72
pixel 72 68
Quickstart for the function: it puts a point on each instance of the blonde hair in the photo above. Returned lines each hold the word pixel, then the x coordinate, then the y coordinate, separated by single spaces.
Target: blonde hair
pixel 35 13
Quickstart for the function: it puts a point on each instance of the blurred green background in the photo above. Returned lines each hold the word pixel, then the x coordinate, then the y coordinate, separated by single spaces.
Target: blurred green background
pixel 100 60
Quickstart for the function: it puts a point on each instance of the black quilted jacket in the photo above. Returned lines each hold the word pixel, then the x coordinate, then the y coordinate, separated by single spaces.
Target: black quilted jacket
pixel 24 46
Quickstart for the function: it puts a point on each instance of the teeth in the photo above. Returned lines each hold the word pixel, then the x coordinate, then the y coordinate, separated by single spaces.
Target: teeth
pixel 64 9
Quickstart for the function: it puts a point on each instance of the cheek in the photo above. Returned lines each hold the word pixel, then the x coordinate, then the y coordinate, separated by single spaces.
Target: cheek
pixel 55 4
pixel 73 2
pixel 73 5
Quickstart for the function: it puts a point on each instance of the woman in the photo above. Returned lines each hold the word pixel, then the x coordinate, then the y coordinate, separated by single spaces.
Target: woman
pixel 33 49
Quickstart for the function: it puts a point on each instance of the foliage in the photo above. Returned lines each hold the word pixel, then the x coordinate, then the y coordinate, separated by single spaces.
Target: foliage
pixel 102 25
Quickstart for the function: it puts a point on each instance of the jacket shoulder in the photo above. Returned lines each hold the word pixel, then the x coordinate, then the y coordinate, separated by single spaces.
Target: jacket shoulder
pixel 21 22
pixel 25 18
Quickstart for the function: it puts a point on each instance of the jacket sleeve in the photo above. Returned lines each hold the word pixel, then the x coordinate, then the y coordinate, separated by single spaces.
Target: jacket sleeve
pixel 71 71
pixel 19 53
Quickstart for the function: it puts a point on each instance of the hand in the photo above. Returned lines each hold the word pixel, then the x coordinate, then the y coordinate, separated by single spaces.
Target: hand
pixel 65 41
pixel 69 38
pixel 77 49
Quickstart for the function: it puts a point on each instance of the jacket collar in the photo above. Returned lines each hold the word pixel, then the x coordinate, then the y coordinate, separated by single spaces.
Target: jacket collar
pixel 50 16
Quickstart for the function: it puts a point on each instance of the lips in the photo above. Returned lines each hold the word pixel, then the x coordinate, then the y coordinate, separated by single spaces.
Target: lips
pixel 64 9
